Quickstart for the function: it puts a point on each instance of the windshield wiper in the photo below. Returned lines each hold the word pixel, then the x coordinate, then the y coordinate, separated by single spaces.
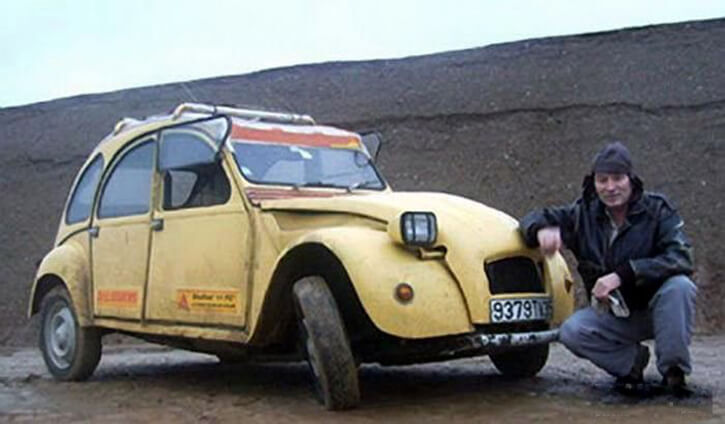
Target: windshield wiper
pixel 361 184
pixel 349 188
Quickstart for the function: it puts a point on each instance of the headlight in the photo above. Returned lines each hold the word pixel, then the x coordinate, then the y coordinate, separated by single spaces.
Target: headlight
pixel 418 228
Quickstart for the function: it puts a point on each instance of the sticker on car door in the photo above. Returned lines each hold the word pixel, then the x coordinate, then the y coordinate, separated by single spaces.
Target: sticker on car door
pixel 214 301
pixel 117 298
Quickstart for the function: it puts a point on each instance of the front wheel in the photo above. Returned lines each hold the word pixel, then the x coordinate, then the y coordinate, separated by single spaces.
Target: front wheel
pixel 521 362
pixel 71 352
pixel 323 338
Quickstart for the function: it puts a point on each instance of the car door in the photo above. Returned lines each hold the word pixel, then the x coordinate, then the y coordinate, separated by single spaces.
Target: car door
pixel 120 233
pixel 198 265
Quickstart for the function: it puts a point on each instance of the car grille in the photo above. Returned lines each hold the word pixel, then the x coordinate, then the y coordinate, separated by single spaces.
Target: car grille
pixel 514 275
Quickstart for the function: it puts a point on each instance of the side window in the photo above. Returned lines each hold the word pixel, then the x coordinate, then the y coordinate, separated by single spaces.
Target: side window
pixel 178 185
pixel 81 202
pixel 194 187
pixel 128 190
pixel 192 176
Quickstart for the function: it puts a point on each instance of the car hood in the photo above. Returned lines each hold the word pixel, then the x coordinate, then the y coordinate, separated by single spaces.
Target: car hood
pixel 452 212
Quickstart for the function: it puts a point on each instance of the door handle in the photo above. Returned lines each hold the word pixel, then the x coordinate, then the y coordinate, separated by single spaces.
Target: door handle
pixel 157 224
pixel 93 231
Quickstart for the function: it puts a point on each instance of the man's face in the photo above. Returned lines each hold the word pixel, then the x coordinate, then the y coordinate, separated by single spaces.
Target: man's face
pixel 614 190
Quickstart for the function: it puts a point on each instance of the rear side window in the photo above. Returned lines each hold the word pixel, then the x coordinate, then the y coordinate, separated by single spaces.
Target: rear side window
pixel 128 190
pixel 79 208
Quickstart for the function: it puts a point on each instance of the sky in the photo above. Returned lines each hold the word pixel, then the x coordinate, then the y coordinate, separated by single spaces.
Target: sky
pixel 58 48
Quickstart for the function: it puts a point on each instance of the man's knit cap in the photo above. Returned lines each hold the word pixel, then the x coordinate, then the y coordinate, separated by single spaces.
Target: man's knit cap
pixel 614 158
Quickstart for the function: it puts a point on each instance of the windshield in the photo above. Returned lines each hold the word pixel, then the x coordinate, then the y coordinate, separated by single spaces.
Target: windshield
pixel 300 166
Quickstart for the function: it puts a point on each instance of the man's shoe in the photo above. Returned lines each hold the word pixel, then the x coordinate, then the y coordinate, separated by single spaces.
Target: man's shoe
pixel 629 386
pixel 674 382
pixel 633 383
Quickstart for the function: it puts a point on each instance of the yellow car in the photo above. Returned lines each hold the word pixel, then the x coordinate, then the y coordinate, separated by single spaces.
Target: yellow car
pixel 246 233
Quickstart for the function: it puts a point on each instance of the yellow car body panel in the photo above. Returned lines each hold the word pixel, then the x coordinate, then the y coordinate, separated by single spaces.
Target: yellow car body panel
pixel 120 256
pixel 561 282
pixel 376 267
pixel 69 263
pixel 198 266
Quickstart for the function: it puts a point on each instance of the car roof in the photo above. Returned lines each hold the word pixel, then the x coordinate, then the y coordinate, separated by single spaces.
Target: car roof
pixel 247 125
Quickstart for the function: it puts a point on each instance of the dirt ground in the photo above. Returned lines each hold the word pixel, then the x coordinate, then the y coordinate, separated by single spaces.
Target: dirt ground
pixel 148 383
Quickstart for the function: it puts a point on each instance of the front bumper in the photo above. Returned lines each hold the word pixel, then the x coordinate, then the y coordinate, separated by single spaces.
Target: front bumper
pixel 531 338
pixel 406 351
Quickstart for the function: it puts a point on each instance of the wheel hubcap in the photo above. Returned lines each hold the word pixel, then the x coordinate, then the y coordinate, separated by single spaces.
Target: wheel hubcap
pixel 60 337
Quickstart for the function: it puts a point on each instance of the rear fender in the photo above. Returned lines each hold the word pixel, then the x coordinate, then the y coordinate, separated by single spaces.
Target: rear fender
pixel 65 265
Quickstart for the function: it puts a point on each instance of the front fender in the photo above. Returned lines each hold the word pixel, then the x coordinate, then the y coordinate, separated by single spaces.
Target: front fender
pixel 562 287
pixel 69 264
pixel 376 265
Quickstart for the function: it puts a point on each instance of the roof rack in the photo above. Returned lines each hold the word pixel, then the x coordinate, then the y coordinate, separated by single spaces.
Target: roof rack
pixel 287 118
pixel 120 125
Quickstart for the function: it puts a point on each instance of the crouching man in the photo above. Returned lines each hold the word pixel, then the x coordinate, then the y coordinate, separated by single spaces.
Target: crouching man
pixel 629 245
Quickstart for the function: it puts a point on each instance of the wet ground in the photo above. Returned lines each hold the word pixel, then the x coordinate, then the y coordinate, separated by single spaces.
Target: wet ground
pixel 148 383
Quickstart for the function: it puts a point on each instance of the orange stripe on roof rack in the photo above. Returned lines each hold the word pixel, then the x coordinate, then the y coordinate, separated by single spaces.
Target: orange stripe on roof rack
pixel 277 135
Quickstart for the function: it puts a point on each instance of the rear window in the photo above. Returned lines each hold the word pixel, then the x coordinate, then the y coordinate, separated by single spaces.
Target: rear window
pixel 79 208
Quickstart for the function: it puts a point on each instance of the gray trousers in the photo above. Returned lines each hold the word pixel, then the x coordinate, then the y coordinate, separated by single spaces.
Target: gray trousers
pixel 611 342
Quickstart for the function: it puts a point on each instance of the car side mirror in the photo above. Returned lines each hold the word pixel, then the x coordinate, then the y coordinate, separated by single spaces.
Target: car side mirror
pixel 373 142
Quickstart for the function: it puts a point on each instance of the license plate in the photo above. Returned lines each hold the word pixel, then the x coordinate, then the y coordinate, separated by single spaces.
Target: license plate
pixel 514 310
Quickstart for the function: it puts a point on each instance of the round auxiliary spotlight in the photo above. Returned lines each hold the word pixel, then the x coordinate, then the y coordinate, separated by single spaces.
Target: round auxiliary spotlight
pixel 404 293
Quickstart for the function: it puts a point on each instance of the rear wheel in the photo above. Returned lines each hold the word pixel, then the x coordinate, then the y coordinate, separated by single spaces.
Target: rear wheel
pixel 323 338
pixel 71 352
pixel 521 362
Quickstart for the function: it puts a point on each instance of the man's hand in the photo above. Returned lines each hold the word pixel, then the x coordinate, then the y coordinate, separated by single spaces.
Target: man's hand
pixel 605 285
pixel 549 240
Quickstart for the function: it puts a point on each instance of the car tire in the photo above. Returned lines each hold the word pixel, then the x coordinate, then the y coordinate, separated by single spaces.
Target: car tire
pixel 71 352
pixel 521 362
pixel 325 344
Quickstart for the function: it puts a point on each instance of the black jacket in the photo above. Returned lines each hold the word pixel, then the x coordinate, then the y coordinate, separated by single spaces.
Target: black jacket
pixel 649 248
